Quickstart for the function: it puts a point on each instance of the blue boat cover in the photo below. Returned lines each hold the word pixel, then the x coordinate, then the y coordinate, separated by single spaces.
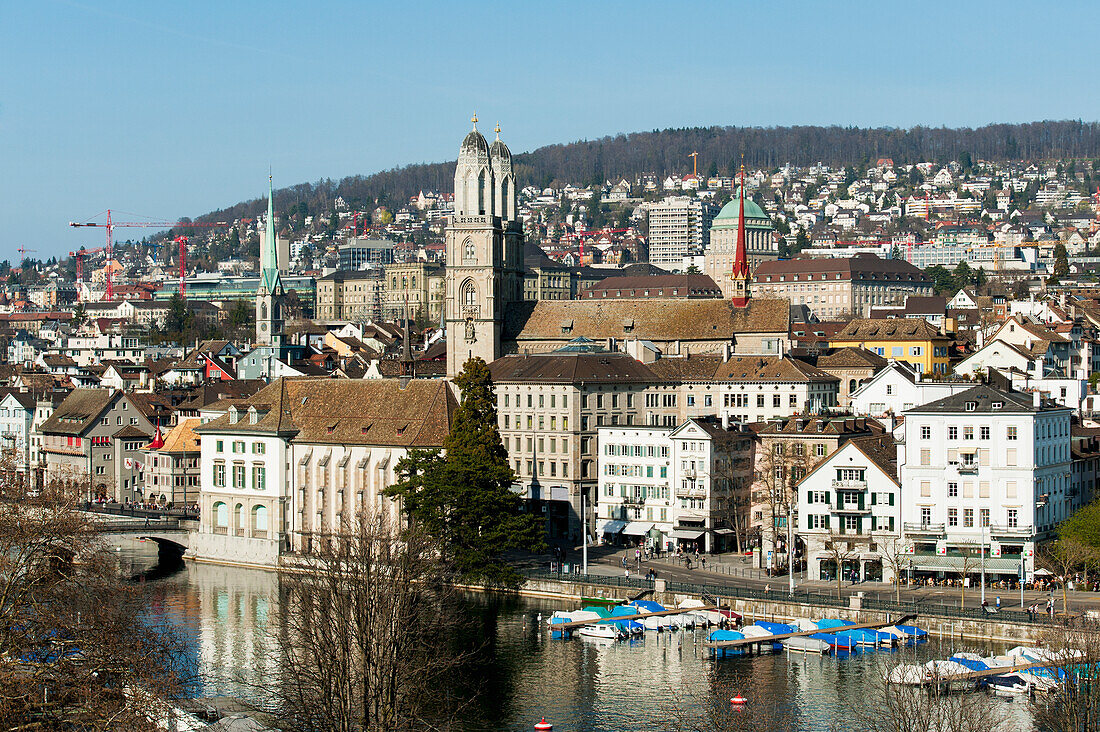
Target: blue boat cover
pixel 648 606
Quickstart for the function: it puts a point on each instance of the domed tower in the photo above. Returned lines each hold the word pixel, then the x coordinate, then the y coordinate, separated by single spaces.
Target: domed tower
pixel 473 176
pixel 484 252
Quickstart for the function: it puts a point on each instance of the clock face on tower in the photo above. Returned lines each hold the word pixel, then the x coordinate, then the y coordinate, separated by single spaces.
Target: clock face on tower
pixel 263 326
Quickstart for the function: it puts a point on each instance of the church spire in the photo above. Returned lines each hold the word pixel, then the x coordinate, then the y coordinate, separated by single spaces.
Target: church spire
pixel 269 264
pixel 740 273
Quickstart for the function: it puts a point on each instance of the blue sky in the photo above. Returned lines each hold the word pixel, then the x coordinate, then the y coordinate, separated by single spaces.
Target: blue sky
pixel 166 110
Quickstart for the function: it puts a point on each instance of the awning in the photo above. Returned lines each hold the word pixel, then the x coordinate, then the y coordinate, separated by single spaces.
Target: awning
pixel 941 563
pixel 612 527
pixel 967 450
pixel 689 535
pixel 723 532
pixel 637 528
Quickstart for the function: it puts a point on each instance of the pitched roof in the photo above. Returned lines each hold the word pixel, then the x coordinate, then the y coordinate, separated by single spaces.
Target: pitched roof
pixel 181 438
pixel 983 397
pixel 659 320
pixel 684 284
pixel 769 368
pixel 850 357
pixel 686 368
pixel 570 368
pixel 79 411
pixel 889 329
pixel 343 411
pixel 858 267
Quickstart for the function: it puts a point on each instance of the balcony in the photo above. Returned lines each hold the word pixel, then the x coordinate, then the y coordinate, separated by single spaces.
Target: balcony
pixel 633 501
pixel 925 529
pixel 682 492
pixel 967 468
pixel 852 509
pixel 1006 530
pixel 849 485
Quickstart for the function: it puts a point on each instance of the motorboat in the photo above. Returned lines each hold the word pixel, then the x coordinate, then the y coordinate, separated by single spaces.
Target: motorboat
pixel 952 673
pixel 806 644
pixel 757 632
pixel 915 633
pixel 837 642
pixel 605 631
pixel 708 617
pixel 907 674
pixel 1013 684
pixel 726 635
pixel 804 624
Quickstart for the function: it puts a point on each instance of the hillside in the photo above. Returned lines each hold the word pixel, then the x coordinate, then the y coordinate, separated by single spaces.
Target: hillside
pixel 665 151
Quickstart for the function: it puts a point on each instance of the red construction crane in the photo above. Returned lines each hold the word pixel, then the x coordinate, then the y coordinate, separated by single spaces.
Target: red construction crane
pixel 24 250
pixel 110 226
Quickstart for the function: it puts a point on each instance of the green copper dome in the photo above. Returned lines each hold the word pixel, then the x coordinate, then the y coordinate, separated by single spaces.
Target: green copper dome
pixel 729 213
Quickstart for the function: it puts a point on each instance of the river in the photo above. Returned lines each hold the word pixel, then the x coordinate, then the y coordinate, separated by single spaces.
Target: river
pixel 224 614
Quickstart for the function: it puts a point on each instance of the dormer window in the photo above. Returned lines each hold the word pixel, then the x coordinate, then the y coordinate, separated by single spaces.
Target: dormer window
pixel 998 405
pixel 234 416
pixel 971 406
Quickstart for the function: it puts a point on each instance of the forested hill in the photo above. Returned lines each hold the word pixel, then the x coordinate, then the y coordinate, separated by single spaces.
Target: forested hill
pixel 720 149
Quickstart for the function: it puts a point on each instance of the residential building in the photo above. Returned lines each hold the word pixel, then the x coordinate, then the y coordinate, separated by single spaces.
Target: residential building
pixel 897 388
pixel 550 406
pixel 849 516
pixel 351 295
pixel 16 418
pixel 171 465
pixel 911 341
pixel 986 472
pixel 841 286
pixel 678 226
pixel 852 367
pixel 359 253
pixel 413 287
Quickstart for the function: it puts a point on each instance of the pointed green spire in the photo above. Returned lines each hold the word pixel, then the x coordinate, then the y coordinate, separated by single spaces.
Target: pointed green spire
pixel 269 264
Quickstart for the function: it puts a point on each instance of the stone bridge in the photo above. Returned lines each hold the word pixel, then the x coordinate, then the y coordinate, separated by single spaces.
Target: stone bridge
pixel 170 534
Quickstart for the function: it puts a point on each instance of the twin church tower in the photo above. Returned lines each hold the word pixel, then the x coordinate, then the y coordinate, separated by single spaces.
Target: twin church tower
pixel 484 251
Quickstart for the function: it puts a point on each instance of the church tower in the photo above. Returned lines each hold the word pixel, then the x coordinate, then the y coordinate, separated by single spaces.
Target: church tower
pixel 739 275
pixel 269 295
pixel 484 245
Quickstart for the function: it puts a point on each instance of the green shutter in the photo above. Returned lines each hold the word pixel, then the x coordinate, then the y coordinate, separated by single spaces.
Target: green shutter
pixel 859 525
pixel 829 497
pixel 874 523
pixel 891 503
pixel 826 521
pixel 891 523
pixel 874 499
pixel 861 501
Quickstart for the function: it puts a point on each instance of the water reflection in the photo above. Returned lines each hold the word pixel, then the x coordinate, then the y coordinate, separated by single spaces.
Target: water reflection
pixel 226 614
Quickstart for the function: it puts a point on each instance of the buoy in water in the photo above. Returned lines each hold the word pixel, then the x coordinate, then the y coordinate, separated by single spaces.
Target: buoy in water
pixel 738 700
pixel 543 726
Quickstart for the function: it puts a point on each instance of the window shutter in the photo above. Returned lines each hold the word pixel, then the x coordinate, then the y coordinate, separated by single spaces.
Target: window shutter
pixel 861 499
pixel 891 503
pixel 874 499
pixel 826 521
pixel 809 496
pixel 874 523
pixel 829 497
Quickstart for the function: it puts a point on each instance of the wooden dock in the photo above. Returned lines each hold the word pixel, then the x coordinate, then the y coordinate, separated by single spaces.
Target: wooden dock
pixel 783 636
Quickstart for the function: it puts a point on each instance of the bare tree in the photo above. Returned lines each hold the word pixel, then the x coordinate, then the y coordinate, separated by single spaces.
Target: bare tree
pixel 971 560
pixel 76 650
pixel 779 467
pixel 840 548
pixel 1075 704
pixel 364 622
pixel 1063 557
pixel 881 706
pixel 895 552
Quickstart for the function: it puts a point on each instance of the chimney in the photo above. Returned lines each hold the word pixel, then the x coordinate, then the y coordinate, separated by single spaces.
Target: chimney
pixel 1037 399
pixel 725 420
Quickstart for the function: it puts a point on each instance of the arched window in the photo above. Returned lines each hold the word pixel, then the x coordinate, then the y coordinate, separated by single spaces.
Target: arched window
pixel 469 294
pixel 263 311
pixel 471 194
pixel 395 283
pixel 852 385
pixel 221 515
pixel 238 516
pixel 259 519
pixel 481 193
pixel 504 199
pixel 469 251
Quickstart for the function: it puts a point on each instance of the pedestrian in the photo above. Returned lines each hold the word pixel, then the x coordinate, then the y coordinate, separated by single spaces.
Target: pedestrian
pixel 703 561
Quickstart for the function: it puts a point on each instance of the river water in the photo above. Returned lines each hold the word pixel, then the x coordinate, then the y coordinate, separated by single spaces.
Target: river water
pixel 224 616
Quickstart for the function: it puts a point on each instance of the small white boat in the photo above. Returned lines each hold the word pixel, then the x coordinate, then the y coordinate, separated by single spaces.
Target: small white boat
pixel 755 631
pixel 805 644
pixel 709 617
pixel 907 674
pixel 803 624
pixel 1013 684
pixel 599 630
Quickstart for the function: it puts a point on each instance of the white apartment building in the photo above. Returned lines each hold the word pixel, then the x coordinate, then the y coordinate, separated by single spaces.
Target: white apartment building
pixel 899 388
pixel 985 471
pixel 666 487
pixel 16 417
pixel 678 226
pixel 853 497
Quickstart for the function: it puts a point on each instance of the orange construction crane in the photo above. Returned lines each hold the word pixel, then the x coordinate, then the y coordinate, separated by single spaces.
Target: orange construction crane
pixel 24 250
pixel 110 226
pixel 694 163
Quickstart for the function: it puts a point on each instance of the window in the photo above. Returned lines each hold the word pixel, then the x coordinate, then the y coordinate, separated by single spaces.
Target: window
pixel 952 490
pixel 968 432
pixel 984 432
pixel 1013 518
pixel 983 516
pixel 1011 432
pixel 238 446
pixel 926 489
pixel 925 515
pixel 889 390
pixel 220 446
pixel 219 475
pixel 952 517
pixel 925 457
pixel 760 401
pixel 925 432
pixel 259 477
pixel 238 476
pixel 777 401
pixel 968 518
pixel 258 448
pixel 952 433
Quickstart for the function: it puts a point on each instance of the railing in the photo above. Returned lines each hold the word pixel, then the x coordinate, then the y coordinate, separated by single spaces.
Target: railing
pixel 119 509
pixel 633 500
pixel 937 529
pixel 830 599
pixel 1005 529
pixel 851 508
pixel 968 468
pixel 691 492
pixel 850 485
pixel 126 527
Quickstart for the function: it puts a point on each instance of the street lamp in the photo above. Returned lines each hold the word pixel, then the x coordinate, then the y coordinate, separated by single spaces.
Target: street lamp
pixel 983 562
pixel 790 548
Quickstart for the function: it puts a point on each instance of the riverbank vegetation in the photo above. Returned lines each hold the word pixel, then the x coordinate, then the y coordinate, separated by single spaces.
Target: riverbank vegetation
pixel 73 645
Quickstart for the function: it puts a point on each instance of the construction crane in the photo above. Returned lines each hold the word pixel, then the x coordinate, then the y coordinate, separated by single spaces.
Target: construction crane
pixel 111 225
pixel 24 250
pixel 694 163
pixel 78 256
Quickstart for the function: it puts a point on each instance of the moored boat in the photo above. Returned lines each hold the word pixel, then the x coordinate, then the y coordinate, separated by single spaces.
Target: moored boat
pixel 806 644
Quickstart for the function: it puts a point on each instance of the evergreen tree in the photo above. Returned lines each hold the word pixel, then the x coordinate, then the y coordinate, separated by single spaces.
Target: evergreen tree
pixel 1061 260
pixel 463 498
